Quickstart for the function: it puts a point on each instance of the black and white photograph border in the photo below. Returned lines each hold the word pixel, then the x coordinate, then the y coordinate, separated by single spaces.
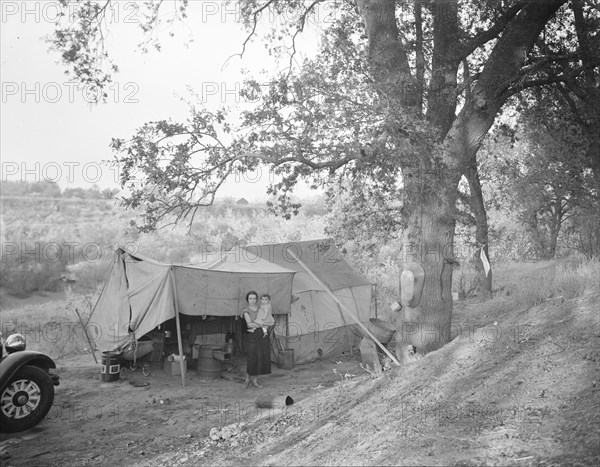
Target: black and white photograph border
pixel 317 232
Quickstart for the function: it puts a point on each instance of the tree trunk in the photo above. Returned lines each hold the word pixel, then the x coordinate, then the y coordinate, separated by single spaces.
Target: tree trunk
pixel 428 240
pixel 536 237
pixel 442 96
pixel 429 191
pixel 555 225
pixel 484 278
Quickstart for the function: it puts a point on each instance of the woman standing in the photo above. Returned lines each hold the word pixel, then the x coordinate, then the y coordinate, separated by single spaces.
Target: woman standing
pixel 259 344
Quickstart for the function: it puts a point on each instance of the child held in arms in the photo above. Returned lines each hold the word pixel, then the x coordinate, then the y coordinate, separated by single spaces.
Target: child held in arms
pixel 264 318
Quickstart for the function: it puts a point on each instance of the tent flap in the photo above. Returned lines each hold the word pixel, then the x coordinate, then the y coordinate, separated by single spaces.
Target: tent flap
pixel 223 293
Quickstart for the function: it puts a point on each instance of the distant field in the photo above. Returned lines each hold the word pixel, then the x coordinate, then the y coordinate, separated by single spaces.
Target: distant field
pixel 46 240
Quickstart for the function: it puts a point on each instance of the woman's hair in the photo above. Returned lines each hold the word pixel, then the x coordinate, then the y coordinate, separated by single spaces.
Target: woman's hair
pixel 265 295
pixel 252 292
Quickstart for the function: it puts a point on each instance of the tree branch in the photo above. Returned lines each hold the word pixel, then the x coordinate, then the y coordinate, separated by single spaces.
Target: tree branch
pixel 300 28
pixel 571 103
pixel 566 78
pixel 276 162
pixel 255 16
pixel 483 37
pixel 542 62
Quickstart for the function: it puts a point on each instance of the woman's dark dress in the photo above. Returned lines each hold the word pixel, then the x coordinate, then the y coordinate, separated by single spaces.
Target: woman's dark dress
pixel 258 349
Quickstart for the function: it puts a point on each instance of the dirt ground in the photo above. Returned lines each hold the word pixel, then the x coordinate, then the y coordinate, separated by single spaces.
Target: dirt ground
pixel 132 421
pixel 517 386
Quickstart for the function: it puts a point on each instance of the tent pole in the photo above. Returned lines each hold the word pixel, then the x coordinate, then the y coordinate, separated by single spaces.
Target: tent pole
pixel 356 302
pixel 182 362
pixel 343 307
pixel 287 331
pixel 375 287
pixel 344 320
pixel 347 331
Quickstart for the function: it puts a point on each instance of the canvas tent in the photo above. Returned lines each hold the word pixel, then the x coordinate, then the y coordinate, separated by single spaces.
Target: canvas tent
pixel 316 327
pixel 141 294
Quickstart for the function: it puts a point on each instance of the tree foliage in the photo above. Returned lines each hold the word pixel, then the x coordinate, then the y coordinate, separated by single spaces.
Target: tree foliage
pixel 336 88
pixel 537 171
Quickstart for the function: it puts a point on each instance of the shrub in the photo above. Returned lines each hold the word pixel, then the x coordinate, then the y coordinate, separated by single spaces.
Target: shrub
pixel 575 275
pixel 21 276
pixel 567 278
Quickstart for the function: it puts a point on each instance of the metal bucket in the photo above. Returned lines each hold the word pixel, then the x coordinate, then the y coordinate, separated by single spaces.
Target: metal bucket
pixel 111 366
pixel 208 366
pixel 276 402
pixel 286 359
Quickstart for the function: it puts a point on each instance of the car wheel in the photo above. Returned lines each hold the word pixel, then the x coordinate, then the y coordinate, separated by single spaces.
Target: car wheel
pixel 26 400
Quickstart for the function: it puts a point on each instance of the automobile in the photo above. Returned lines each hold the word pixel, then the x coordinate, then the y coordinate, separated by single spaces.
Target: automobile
pixel 26 385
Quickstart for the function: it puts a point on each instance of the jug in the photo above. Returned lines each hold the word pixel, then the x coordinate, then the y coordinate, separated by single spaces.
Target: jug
pixel 229 343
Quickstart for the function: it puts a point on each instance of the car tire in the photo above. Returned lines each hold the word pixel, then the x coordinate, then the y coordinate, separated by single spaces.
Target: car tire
pixel 26 400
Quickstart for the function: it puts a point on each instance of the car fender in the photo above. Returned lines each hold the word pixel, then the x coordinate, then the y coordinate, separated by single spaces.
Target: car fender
pixel 10 364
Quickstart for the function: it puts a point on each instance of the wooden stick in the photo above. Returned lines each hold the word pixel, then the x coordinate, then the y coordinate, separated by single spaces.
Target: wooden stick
pixel 287 330
pixel 182 362
pixel 375 287
pixel 86 335
pixel 343 307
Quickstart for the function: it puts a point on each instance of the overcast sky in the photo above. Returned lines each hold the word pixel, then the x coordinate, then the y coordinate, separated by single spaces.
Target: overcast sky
pixel 50 131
